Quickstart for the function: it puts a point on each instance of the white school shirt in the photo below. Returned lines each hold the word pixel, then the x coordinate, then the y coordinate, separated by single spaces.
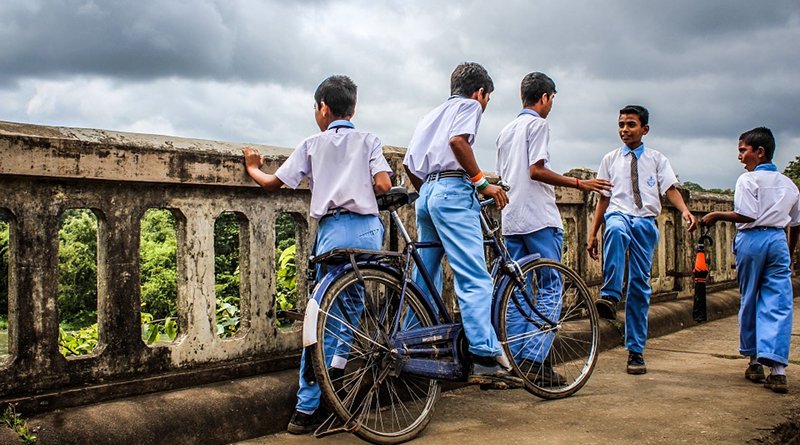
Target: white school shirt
pixel 531 204
pixel 429 150
pixel 339 163
pixel 768 197
pixel 655 178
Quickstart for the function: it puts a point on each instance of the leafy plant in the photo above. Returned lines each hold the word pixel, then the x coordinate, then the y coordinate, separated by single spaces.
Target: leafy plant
pixel 14 420
pixel 153 330
pixel 77 266
pixel 3 265
pixel 793 170
pixel 159 278
pixel 79 342
pixel 286 283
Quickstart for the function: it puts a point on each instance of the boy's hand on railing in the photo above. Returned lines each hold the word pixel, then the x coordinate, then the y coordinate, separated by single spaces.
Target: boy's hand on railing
pixel 252 158
pixel 496 192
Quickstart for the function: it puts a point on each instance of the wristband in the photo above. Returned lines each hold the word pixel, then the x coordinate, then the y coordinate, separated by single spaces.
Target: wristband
pixel 577 183
pixel 477 178
pixel 482 185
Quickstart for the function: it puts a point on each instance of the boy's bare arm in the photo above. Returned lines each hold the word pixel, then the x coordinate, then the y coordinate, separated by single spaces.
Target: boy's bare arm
pixel 415 181
pixel 674 196
pixel 710 218
pixel 599 218
pixel 538 172
pixel 253 163
pixel 466 157
pixel 381 183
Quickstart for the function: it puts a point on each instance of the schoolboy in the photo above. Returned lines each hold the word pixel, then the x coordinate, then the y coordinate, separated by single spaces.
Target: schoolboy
pixel 531 220
pixel 345 169
pixel 441 165
pixel 764 203
pixel 640 176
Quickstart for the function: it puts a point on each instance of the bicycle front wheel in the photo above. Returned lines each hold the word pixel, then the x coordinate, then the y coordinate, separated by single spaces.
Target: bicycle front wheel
pixel 554 347
pixel 353 364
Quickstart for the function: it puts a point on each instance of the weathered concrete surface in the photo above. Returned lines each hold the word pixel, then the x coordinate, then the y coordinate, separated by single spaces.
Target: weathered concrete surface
pixel 694 392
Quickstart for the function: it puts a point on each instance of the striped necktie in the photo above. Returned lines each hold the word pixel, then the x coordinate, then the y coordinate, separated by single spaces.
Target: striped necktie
pixel 637 196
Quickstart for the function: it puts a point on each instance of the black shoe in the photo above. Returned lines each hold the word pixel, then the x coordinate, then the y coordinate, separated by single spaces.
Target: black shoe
pixel 303 423
pixel 636 363
pixel 606 308
pixel 777 383
pixel 754 373
pixel 485 371
pixel 542 374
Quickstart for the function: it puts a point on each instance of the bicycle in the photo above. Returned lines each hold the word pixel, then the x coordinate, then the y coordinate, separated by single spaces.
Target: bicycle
pixel 380 349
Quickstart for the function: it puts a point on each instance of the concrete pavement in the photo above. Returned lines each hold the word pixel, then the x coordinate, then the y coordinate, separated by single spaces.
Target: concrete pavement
pixel 694 392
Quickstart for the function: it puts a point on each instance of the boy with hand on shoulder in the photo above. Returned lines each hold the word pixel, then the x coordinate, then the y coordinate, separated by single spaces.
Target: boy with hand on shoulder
pixel 531 220
pixel 764 203
pixel 640 175
pixel 441 165
pixel 345 169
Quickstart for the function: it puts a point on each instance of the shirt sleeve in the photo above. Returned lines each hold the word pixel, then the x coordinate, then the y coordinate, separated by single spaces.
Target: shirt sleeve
pixel 604 173
pixel 296 167
pixel 666 176
pixel 467 120
pixel 794 214
pixel 538 142
pixel 377 162
pixel 745 198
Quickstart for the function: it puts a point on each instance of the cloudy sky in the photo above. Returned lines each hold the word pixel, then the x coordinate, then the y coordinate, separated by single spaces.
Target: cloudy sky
pixel 245 70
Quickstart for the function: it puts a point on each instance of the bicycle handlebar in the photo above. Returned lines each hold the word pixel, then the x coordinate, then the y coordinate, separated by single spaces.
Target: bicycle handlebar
pixel 490 201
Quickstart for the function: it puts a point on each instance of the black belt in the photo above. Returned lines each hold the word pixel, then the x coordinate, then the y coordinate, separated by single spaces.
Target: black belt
pixel 447 174
pixel 336 211
pixel 763 228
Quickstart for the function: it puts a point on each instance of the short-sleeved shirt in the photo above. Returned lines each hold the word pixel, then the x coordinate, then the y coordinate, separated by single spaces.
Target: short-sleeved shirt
pixel 768 197
pixel 340 164
pixel 655 178
pixel 531 204
pixel 429 150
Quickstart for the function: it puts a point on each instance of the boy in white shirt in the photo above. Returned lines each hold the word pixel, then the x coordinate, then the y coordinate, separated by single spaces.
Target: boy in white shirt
pixel 441 165
pixel 345 169
pixel 764 203
pixel 531 220
pixel 640 176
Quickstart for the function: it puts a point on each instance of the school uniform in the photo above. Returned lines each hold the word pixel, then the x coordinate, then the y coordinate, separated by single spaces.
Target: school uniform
pixel 630 227
pixel 763 262
pixel 339 164
pixel 531 222
pixel 448 211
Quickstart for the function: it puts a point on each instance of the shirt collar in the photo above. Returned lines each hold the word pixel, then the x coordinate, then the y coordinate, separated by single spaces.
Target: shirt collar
pixel 341 123
pixel 637 151
pixel 768 167
pixel 528 111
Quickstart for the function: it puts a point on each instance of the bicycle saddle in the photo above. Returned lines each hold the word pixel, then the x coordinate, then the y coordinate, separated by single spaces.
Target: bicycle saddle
pixel 395 198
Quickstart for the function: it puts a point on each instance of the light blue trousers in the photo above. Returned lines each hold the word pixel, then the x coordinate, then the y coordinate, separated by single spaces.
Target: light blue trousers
pixel 448 211
pixel 765 314
pixel 524 342
pixel 347 230
pixel 639 238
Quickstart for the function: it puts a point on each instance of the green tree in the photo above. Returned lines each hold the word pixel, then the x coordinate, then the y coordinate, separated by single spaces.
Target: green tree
pixel 793 170
pixel 77 268
pixel 3 267
pixel 226 272
pixel 158 247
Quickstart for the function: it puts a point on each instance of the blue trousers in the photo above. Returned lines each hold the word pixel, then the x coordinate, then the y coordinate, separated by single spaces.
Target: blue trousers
pixel 347 230
pixel 524 342
pixel 448 212
pixel 639 238
pixel 765 314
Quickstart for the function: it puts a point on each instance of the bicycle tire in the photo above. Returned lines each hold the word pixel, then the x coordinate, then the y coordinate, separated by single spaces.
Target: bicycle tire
pixel 555 363
pixel 399 407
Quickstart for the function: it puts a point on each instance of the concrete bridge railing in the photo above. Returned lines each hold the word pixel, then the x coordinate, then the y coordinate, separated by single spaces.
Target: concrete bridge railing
pixel 119 176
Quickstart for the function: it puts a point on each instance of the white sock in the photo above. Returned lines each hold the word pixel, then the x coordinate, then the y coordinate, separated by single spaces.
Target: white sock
pixel 778 370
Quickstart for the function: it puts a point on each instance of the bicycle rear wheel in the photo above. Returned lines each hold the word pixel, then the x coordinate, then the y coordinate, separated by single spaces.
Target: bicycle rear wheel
pixel 352 361
pixel 554 360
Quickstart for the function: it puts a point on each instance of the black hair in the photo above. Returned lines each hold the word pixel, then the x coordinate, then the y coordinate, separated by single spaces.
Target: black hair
pixel 470 77
pixel 760 137
pixel 533 86
pixel 644 115
pixel 339 93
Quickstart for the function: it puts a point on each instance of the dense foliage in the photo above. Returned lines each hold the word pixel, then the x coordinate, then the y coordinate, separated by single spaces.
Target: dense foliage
pixel 793 170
